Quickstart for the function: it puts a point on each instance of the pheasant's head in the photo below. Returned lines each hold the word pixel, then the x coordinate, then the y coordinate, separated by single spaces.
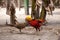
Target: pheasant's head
pixel 28 18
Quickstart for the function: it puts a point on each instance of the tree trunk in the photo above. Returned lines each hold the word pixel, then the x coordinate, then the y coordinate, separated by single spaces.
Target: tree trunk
pixel 43 13
pixel 19 4
pixel 12 15
pixel 33 14
pixel 0 2
pixel 37 11
pixel 8 7
pixel 26 5
pixel 11 11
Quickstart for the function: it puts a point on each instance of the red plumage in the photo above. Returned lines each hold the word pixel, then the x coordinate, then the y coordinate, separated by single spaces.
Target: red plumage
pixel 36 24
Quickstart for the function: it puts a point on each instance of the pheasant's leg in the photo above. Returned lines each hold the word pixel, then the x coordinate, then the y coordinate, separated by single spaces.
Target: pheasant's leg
pixel 20 30
pixel 39 29
pixel 36 28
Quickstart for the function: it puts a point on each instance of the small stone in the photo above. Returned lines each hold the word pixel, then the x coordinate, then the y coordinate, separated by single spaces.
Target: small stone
pixel 39 39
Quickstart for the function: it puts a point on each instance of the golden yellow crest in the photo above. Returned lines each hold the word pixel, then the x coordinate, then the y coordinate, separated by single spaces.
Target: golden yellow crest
pixel 28 18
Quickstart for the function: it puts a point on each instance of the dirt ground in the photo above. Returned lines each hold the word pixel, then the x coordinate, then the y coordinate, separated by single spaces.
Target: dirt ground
pixel 29 33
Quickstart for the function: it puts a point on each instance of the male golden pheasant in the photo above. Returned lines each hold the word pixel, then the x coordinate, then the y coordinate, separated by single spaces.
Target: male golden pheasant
pixel 34 23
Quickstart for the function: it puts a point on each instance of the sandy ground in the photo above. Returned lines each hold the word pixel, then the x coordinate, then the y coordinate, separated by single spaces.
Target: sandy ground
pixel 49 32
pixel 29 33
